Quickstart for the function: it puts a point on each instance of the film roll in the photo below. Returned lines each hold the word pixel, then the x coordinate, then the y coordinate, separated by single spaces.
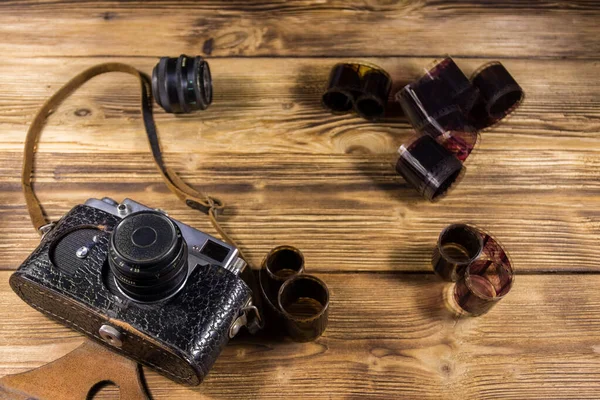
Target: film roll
pixel 280 264
pixel 477 262
pixel 344 82
pixel 373 97
pixel 500 94
pixel 363 87
pixel 483 285
pixel 304 303
pixel 458 245
pixel 448 107
pixel 296 303
pixel 428 166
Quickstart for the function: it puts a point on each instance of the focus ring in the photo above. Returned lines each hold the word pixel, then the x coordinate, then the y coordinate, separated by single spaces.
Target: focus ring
pixel 148 256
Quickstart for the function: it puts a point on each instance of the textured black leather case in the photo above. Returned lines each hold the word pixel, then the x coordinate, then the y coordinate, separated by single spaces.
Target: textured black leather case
pixel 180 338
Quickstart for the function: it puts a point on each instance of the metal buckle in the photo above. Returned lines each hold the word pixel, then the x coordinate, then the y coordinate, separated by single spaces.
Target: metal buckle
pixel 243 318
pixel 252 307
pixel 45 229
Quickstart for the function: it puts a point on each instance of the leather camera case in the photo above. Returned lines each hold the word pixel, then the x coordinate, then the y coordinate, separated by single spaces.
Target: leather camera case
pixel 180 338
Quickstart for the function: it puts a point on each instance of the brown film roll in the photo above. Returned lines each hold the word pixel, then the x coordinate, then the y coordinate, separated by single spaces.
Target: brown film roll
pixel 438 104
pixel 483 285
pixel 428 166
pixel 445 105
pixel 283 262
pixel 305 302
pixel 344 83
pixel 479 264
pixel 361 87
pixel 458 246
pixel 373 97
pixel 280 264
pixel 500 94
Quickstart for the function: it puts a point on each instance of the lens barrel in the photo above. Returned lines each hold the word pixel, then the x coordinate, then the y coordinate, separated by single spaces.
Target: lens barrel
pixel 148 256
pixel 183 84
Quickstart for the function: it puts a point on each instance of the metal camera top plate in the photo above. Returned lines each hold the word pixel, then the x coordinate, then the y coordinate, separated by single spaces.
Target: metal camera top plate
pixel 196 240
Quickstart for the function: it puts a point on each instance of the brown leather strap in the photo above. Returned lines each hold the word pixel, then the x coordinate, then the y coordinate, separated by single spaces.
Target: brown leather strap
pixel 74 375
pixel 192 197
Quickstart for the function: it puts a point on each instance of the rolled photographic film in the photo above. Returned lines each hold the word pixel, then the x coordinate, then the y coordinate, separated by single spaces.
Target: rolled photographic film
pixel 458 246
pixel 450 86
pixel 483 284
pixel 361 87
pixel 445 120
pixel 279 264
pixel 305 314
pixel 477 262
pixel 304 302
pixel 428 166
pixel 499 96
pixel 451 109
pixel 490 95
pixel 344 83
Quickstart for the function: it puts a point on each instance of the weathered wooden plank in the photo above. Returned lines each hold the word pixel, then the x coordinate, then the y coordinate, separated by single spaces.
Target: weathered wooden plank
pixel 273 105
pixel 346 212
pixel 292 173
pixel 390 336
pixel 276 28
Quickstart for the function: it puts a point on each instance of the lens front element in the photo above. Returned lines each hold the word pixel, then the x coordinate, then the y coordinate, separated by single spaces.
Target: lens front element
pixel 148 256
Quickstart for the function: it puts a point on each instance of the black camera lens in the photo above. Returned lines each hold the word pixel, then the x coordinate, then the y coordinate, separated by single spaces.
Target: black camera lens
pixel 183 84
pixel 148 256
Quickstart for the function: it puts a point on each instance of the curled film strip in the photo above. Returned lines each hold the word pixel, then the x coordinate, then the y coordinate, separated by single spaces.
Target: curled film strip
pixel 444 105
pixel 477 262
pixel 361 87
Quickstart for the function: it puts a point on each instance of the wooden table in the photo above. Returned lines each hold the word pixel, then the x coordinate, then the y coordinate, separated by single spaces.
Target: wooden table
pixel 291 173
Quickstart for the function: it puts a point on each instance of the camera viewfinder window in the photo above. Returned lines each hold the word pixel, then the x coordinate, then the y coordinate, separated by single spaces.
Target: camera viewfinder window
pixel 215 251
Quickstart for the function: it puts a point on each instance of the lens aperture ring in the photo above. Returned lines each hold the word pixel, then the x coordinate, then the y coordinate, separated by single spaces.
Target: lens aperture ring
pixel 148 256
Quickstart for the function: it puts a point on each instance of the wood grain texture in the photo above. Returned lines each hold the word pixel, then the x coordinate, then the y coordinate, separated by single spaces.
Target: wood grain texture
pixel 290 173
pixel 273 105
pixel 341 219
pixel 347 28
pixel 389 336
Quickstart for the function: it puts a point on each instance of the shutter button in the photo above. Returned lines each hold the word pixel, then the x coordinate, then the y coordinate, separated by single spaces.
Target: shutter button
pixel 111 335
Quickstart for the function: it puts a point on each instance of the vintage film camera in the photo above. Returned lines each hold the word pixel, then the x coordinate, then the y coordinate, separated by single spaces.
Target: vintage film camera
pixel 149 287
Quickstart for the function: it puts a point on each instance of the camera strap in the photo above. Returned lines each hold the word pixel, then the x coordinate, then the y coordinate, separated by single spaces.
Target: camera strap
pixel 192 198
